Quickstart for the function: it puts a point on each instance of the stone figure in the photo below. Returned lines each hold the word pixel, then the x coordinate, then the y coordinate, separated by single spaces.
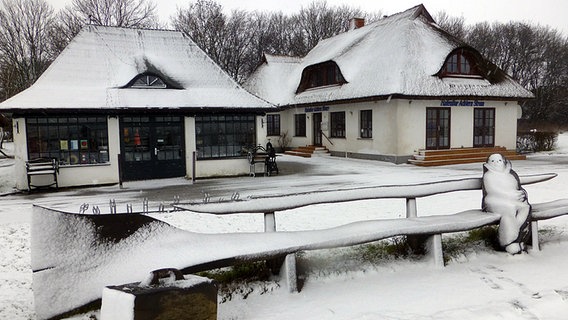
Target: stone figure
pixel 503 194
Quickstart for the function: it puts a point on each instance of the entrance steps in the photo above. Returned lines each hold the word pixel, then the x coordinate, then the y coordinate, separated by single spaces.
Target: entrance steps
pixel 427 158
pixel 309 151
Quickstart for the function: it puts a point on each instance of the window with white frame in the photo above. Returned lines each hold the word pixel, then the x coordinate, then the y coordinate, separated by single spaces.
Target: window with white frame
pixel 72 139
pixel 366 123
pixel 337 124
pixel 300 125
pixel 273 124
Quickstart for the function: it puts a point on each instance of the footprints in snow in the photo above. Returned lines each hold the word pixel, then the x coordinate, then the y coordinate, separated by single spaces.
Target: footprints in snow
pixel 490 275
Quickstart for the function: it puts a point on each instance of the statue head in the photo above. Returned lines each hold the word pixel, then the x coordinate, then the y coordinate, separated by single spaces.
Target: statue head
pixel 498 163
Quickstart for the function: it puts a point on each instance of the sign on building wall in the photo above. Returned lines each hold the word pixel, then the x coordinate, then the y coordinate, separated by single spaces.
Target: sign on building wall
pixel 316 109
pixel 462 103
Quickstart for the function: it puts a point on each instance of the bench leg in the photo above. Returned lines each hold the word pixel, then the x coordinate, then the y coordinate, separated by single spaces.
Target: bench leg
pixel 534 232
pixel 411 211
pixel 269 222
pixel 434 250
pixel 288 273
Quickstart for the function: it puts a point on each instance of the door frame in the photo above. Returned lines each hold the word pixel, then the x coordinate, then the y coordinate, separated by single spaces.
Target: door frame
pixel 316 125
pixel 486 130
pixel 438 137
pixel 158 159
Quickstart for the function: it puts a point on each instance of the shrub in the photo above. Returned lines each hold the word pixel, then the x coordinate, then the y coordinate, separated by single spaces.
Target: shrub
pixel 534 141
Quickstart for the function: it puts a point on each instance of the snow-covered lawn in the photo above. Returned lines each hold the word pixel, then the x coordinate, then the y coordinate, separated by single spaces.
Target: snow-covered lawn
pixel 480 284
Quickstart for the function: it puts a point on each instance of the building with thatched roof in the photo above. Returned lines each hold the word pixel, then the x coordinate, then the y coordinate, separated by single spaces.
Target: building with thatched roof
pixel 389 89
pixel 130 104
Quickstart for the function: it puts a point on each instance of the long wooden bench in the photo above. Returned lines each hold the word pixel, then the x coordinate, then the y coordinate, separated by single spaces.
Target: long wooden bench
pixel 106 246
pixel 463 221
pixel 42 167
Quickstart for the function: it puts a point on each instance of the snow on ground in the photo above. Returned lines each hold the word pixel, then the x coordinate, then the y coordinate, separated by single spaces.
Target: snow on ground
pixel 480 284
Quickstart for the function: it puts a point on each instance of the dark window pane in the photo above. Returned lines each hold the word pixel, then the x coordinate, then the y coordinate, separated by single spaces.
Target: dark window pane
pixel 222 136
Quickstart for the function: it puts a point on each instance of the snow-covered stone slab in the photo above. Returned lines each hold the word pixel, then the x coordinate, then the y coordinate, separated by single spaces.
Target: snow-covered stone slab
pixel 272 203
pixel 191 297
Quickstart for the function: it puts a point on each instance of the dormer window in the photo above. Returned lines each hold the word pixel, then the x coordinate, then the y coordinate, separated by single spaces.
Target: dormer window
pixel 461 63
pixel 320 75
pixel 147 81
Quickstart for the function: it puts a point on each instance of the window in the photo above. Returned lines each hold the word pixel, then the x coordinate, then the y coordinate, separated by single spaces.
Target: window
pixel 273 124
pixel 461 63
pixel 70 139
pixel 147 81
pixel 300 125
pixel 319 75
pixel 224 136
pixel 338 124
pixel 484 127
pixel 366 119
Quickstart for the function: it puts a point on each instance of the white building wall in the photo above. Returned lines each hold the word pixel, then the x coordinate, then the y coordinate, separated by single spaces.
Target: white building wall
pixel 411 126
pixel 20 153
pixel 505 126
pixel 399 127
pixel 190 147
pixel 461 130
pixel 69 175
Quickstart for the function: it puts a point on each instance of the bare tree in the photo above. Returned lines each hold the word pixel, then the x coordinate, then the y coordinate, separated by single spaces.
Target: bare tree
pixel 117 13
pixel 318 21
pixel 453 25
pixel 24 43
pixel 535 56
pixel 204 21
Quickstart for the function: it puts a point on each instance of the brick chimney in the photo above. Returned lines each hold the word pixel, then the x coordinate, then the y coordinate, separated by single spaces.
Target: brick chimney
pixel 356 23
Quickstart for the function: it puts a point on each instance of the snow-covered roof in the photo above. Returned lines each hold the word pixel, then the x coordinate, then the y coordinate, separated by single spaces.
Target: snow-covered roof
pixel 399 55
pixel 92 72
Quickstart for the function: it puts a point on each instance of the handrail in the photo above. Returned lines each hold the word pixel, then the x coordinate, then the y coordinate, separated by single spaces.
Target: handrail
pixel 326 137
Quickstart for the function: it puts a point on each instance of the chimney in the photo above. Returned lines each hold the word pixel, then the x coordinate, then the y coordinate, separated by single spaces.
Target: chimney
pixel 356 23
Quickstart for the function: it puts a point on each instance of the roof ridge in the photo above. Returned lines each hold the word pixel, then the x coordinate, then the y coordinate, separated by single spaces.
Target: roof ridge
pixel 87 25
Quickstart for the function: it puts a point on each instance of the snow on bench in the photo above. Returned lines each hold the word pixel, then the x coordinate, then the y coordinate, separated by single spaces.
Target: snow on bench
pixel 69 272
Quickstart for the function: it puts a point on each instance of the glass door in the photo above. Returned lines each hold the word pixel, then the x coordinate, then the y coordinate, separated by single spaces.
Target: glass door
pixel 152 147
pixel 437 128
pixel 483 127
pixel 316 121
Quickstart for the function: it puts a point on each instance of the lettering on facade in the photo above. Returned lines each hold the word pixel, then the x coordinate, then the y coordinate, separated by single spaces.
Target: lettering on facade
pixel 316 109
pixel 462 103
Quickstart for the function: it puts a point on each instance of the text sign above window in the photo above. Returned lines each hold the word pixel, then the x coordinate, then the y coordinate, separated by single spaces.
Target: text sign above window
pixel 462 103
pixel 316 109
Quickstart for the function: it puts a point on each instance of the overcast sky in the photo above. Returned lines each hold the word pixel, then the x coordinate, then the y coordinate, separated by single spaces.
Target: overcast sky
pixel 544 12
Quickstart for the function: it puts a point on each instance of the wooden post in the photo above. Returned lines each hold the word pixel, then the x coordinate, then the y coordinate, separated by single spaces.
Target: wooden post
pixel 269 222
pixel 411 211
pixel 193 166
pixel 434 250
pixel 288 273
pixel 119 170
pixel 534 231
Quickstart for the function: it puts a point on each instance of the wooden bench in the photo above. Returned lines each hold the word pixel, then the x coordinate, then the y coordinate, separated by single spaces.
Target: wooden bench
pixel 42 167
pixel 104 240
pixel 431 226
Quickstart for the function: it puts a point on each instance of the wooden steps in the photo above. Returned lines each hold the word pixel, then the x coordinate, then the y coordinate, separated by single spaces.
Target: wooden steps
pixel 427 158
pixel 309 151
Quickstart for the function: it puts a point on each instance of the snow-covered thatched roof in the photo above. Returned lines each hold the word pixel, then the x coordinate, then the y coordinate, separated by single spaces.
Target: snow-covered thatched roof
pixel 400 55
pixel 94 71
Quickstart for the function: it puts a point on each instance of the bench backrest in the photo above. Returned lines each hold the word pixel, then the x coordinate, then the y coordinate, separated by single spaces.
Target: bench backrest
pixel 263 204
